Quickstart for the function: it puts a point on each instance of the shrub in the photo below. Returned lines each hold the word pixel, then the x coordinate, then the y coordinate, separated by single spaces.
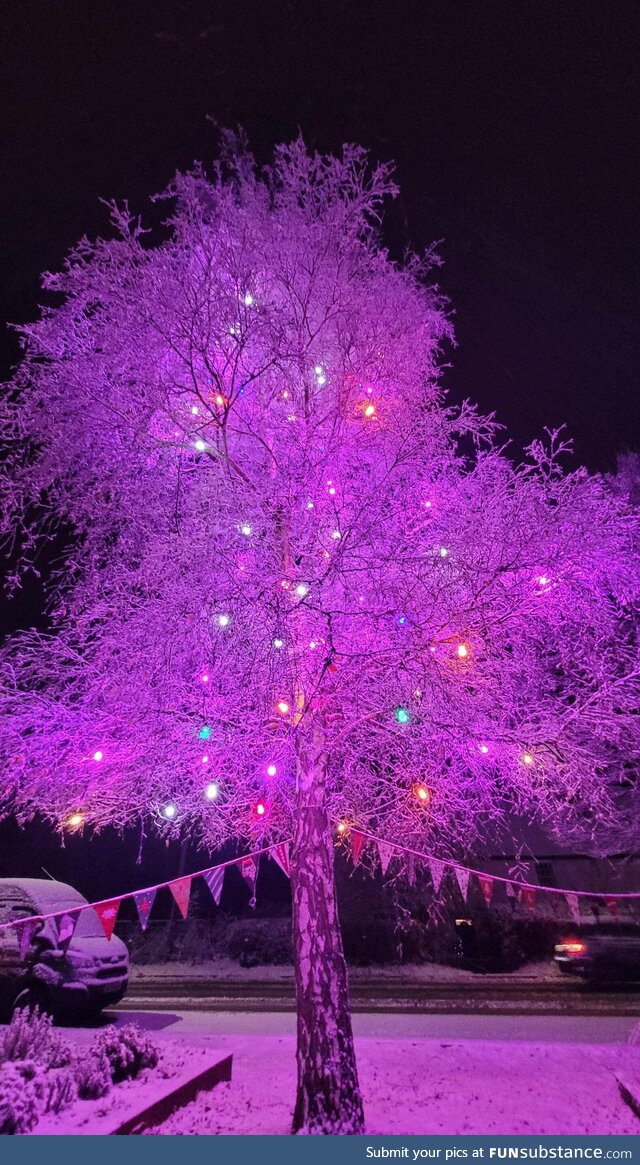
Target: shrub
pixel 19 1110
pixel 93 1075
pixel 256 941
pixel 30 1036
pixel 127 1049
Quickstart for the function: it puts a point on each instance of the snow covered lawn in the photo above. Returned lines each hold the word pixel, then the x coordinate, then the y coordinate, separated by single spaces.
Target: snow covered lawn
pixel 227 969
pixel 428 1086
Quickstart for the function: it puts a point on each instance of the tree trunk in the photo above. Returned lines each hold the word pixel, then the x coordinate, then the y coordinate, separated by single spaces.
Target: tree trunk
pixel 328 1099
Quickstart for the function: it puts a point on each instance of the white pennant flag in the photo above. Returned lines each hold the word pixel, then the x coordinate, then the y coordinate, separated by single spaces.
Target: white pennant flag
pixel 436 869
pixel 386 853
pixel 214 879
pixel 463 880
pixel 573 902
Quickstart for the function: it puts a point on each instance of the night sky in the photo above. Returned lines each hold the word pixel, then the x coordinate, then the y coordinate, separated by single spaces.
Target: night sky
pixel 515 128
pixel 514 125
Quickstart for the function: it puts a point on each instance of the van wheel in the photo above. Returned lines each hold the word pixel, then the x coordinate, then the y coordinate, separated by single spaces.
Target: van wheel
pixel 31 997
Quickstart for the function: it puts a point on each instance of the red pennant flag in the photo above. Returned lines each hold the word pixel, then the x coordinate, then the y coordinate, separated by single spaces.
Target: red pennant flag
pixel 107 913
pixel 144 901
pixel 463 880
pixel 181 890
pixel 528 896
pixel 66 925
pixel 486 885
pixel 357 841
pixel 611 905
pixel 26 932
pixel 280 854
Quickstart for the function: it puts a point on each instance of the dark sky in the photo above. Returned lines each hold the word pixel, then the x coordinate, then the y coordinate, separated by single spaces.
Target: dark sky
pixel 515 126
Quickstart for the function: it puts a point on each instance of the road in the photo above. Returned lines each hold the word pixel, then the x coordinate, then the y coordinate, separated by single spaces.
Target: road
pixel 602 1029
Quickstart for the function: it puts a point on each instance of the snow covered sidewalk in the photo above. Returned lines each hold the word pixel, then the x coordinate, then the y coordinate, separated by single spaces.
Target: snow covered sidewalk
pixel 428 1086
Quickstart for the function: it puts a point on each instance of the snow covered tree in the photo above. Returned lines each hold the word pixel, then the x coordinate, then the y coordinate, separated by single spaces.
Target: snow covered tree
pixel 300 589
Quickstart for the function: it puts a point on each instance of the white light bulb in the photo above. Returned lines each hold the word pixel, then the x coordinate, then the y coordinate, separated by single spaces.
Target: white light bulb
pixel 309 505
pixel 195 410
pixel 302 590
pixel 169 811
pixel 98 754
pixel 224 620
pixel 443 552
pixel 248 299
pixel 246 529
pixel 543 580
pixel 335 534
pixel 318 370
pixel 321 380
pixel 200 445
pixel 484 748
pixel 271 770
pixel 211 791
pixel 205 760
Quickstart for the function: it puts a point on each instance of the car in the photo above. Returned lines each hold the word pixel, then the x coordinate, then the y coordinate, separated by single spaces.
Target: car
pixel 79 981
pixel 601 952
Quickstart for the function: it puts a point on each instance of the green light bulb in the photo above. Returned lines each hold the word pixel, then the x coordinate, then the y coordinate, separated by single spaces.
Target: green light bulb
pixel 402 716
pixel 205 732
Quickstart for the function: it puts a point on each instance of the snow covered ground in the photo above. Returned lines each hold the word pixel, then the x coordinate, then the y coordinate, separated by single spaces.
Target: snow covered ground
pixel 426 1086
pixel 228 969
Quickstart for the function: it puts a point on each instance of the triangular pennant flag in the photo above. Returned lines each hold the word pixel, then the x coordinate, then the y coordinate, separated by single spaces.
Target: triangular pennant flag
pixel 386 853
pixel 144 901
pixel 280 854
pixel 107 913
pixel 66 925
pixel 249 871
pixel 611 905
pixel 215 879
pixel 26 932
pixel 181 890
pixel 436 869
pixel 357 841
pixel 528 896
pixel 463 880
pixel 573 902
pixel 510 889
pixel 486 885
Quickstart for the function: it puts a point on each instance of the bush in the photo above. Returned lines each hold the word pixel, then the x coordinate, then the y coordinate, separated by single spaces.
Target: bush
pixel 127 1050
pixel 93 1076
pixel 261 940
pixel 30 1036
pixel 19 1109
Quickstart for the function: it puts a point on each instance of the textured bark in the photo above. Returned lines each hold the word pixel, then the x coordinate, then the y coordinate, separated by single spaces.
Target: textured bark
pixel 328 1098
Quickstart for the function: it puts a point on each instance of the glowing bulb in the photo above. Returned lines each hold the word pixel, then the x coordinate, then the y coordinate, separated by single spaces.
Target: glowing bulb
pixel 443 552
pixel 543 580
pixel 75 820
pixel 224 620
pixel 370 411
pixel 335 534
pixel 527 758
pixel 402 620
pixel 342 827
pixel 484 749
pixel 318 370
pixel 312 645
pixel 200 445
pixel 278 643
pixel 98 754
pixel 310 505
pixel 195 410
pixel 427 505
pixel 402 716
pixel 272 770
pixel 332 490
pixel 204 679
pixel 205 760
pixel 211 791
pixel 248 299
pixel 422 793
pixel 260 809
pixel 205 732
pixel 321 380
pixel 292 417
pixel 283 707
pixel 169 811
pixel 462 651
pixel 246 529
pixel 219 399
pixel 301 590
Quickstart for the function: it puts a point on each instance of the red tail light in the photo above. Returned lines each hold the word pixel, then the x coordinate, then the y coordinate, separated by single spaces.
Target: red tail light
pixel 571 946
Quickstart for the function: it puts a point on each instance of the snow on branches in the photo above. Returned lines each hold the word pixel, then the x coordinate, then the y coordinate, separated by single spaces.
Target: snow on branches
pixel 278 530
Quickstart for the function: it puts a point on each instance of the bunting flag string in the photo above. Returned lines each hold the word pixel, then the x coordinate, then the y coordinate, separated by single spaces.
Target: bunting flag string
pixel 437 870
pixel 66 925
pixel 462 876
pixel 249 871
pixel 25 934
pixel 486 885
pixel 357 840
pixel 385 853
pixel 573 902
